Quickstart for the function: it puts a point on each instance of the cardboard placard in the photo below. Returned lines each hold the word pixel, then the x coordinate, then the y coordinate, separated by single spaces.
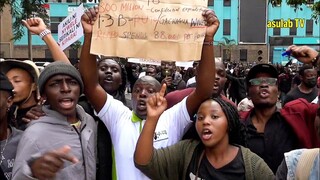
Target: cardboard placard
pixel 170 30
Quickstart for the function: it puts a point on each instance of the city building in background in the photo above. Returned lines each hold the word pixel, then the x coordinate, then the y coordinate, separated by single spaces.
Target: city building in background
pixel 250 31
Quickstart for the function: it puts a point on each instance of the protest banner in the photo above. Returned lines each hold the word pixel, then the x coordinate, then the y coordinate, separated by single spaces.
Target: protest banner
pixel 171 30
pixel 70 29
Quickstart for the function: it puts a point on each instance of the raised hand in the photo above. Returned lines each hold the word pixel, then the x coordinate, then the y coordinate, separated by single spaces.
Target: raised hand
pixel 51 162
pixel 167 80
pixel 304 54
pixel 34 25
pixel 88 19
pixel 212 22
pixel 156 104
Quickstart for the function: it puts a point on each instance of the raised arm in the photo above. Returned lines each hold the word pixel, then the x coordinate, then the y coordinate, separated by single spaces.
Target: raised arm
pixel 156 104
pixel 37 26
pixel 88 64
pixel 305 54
pixel 206 69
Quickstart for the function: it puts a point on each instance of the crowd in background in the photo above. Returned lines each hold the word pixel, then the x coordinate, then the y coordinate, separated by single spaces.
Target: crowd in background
pixel 215 120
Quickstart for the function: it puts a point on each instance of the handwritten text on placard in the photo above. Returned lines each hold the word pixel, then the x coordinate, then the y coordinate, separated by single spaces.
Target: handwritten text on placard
pixel 150 29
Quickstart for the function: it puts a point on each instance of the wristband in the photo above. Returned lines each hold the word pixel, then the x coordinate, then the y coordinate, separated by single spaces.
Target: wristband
pixel 44 33
pixel 209 43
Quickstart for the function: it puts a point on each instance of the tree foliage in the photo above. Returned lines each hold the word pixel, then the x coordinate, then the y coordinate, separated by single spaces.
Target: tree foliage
pixel 228 44
pixel 315 7
pixel 23 9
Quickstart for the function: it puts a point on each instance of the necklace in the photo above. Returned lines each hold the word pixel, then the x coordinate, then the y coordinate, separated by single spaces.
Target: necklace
pixel 4 147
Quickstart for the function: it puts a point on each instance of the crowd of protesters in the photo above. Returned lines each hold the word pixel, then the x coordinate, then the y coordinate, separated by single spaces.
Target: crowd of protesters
pixel 215 120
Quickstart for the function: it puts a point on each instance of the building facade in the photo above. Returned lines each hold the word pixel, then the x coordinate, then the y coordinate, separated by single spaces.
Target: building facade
pixel 250 31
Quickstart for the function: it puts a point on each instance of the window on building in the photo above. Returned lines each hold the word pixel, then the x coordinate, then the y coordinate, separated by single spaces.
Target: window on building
pixel 226 26
pixel 54 22
pixel 243 54
pixel 69 1
pixel 293 29
pixel 227 2
pixel 210 2
pixel 309 27
pixel 276 31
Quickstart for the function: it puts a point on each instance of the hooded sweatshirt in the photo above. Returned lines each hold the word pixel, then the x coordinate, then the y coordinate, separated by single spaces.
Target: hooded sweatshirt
pixel 52 132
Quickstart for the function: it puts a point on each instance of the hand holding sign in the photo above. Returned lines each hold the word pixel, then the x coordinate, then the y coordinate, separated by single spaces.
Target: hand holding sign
pixel 155 29
pixel 212 23
pixel 88 19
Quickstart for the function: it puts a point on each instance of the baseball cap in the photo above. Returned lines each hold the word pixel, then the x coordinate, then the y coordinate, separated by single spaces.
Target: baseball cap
pixel 261 68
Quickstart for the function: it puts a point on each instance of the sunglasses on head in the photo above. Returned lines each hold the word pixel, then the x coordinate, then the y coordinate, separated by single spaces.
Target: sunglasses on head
pixel 259 81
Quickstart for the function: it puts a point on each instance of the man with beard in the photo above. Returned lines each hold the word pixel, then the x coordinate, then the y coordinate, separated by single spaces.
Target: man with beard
pixel 125 125
pixel 307 88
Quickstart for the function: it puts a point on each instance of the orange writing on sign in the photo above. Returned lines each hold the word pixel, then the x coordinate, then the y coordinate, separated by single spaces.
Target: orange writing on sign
pixel 171 30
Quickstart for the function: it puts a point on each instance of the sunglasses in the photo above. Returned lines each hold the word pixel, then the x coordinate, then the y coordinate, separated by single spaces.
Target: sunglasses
pixel 259 81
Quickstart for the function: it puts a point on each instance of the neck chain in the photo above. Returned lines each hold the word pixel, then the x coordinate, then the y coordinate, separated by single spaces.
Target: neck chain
pixel 4 147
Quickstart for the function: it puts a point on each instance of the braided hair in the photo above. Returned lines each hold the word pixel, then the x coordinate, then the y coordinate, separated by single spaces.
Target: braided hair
pixel 234 125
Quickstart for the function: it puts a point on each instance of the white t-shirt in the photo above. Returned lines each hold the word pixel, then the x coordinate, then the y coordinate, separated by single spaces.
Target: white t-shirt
pixel 124 133
pixel 191 81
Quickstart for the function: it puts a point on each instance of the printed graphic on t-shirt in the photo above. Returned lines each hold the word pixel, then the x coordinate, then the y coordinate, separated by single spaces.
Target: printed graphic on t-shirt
pixel 193 177
pixel 160 135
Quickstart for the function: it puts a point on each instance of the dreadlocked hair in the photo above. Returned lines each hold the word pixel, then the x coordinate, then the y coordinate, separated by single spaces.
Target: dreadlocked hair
pixel 234 125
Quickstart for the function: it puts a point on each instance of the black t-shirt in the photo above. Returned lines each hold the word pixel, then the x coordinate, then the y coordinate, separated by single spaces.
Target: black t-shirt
pixel 233 170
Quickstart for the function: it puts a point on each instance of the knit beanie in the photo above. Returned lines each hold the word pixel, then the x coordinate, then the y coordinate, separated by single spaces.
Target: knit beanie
pixel 56 68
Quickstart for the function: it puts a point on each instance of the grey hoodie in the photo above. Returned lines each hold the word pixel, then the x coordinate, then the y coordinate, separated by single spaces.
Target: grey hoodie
pixel 52 132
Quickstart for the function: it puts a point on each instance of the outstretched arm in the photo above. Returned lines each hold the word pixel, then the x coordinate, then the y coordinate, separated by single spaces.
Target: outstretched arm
pixel 304 54
pixel 156 105
pixel 206 69
pixel 88 65
pixel 36 26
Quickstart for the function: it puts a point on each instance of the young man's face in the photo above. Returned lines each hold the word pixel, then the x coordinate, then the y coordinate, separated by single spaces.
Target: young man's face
pixel 109 75
pixel 61 93
pixel 167 68
pixel 22 82
pixel 264 94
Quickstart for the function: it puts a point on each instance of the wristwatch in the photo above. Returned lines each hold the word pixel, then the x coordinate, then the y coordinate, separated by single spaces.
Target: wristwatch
pixel 44 33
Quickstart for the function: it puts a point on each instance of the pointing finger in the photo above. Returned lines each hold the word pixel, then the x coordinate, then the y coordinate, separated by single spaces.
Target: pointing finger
pixel 63 153
pixel 163 89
